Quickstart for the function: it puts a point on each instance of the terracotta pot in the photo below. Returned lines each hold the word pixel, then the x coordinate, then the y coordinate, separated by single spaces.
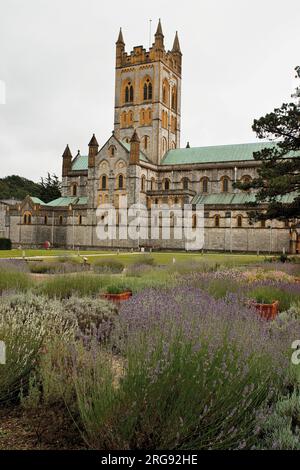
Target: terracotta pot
pixel 117 297
pixel 267 311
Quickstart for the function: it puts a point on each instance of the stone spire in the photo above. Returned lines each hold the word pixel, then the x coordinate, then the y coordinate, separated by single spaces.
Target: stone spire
pixel 120 49
pixel 93 150
pixel 67 161
pixel 176 45
pixel 159 37
pixel 93 142
pixel 120 38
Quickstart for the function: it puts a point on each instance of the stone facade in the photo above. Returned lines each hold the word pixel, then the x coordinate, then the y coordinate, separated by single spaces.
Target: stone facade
pixel 142 160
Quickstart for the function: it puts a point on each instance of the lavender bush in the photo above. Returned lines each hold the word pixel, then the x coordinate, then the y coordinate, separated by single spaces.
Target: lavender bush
pixel 196 373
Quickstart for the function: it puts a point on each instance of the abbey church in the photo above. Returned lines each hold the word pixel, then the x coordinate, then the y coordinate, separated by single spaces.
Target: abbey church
pixel 143 160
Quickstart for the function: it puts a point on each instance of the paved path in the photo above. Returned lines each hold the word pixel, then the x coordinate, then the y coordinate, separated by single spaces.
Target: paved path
pixel 74 256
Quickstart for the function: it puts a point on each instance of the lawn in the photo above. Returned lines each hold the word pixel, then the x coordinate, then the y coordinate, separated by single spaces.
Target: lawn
pixel 128 257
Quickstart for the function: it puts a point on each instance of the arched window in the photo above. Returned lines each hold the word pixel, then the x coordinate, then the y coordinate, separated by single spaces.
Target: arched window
pixel 80 220
pixel 74 189
pixel 112 150
pixel 164 145
pixel 239 221
pixel 152 184
pixel 174 98
pixel 185 183
pixel 173 145
pixel 194 221
pixel 146 141
pixel 173 124
pixel 104 182
pixel 120 181
pixel 60 220
pixel 124 119
pixel 147 90
pixel 149 117
pixel 225 184
pixel 130 118
pixel 46 220
pixel 126 139
pixel 205 185
pixel 165 92
pixel 143 183
pixel 217 220
pixel 166 184
pixel 27 218
pixel 164 119
pixel 142 117
pixel 128 93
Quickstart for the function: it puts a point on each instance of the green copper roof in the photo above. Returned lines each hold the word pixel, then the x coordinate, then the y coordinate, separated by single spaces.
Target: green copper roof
pixel 214 154
pixel 65 201
pixel 36 200
pixel 80 163
pixel 231 199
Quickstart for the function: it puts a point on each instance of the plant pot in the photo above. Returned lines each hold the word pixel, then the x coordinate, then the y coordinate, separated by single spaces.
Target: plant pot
pixel 117 297
pixel 267 311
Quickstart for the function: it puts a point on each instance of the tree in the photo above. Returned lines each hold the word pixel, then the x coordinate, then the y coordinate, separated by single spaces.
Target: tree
pixel 278 180
pixel 16 187
pixel 50 188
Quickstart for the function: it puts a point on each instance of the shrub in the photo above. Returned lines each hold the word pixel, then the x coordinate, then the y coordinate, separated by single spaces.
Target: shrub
pixel 14 265
pixel 27 324
pixel 55 268
pixel 64 287
pixel 268 294
pixel 92 315
pixel 145 259
pixel 13 281
pixel 5 244
pixel 280 429
pixel 110 265
pixel 196 373
pixel 117 288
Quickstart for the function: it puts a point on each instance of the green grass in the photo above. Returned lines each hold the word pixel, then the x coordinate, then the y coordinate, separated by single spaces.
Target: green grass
pixel 128 257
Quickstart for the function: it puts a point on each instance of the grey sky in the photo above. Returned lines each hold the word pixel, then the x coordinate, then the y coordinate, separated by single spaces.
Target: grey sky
pixel 57 59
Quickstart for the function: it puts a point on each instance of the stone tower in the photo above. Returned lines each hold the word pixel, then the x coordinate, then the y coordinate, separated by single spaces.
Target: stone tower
pixel 148 95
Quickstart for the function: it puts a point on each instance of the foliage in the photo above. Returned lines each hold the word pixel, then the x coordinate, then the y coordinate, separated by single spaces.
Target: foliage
pixel 54 268
pixel 108 265
pixel 92 315
pixel 278 174
pixel 16 187
pixel 268 294
pixel 5 244
pixel 16 281
pixel 197 373
pixel 27 324
pixel 50 188
pixel 66 286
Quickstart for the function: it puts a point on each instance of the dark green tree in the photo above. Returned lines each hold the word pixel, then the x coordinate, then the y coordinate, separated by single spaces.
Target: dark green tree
pixel 50 188
pixel 16 187
pixel 278 180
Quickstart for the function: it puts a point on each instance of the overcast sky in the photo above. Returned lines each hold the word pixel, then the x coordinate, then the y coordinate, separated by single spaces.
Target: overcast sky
pixel 57 60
